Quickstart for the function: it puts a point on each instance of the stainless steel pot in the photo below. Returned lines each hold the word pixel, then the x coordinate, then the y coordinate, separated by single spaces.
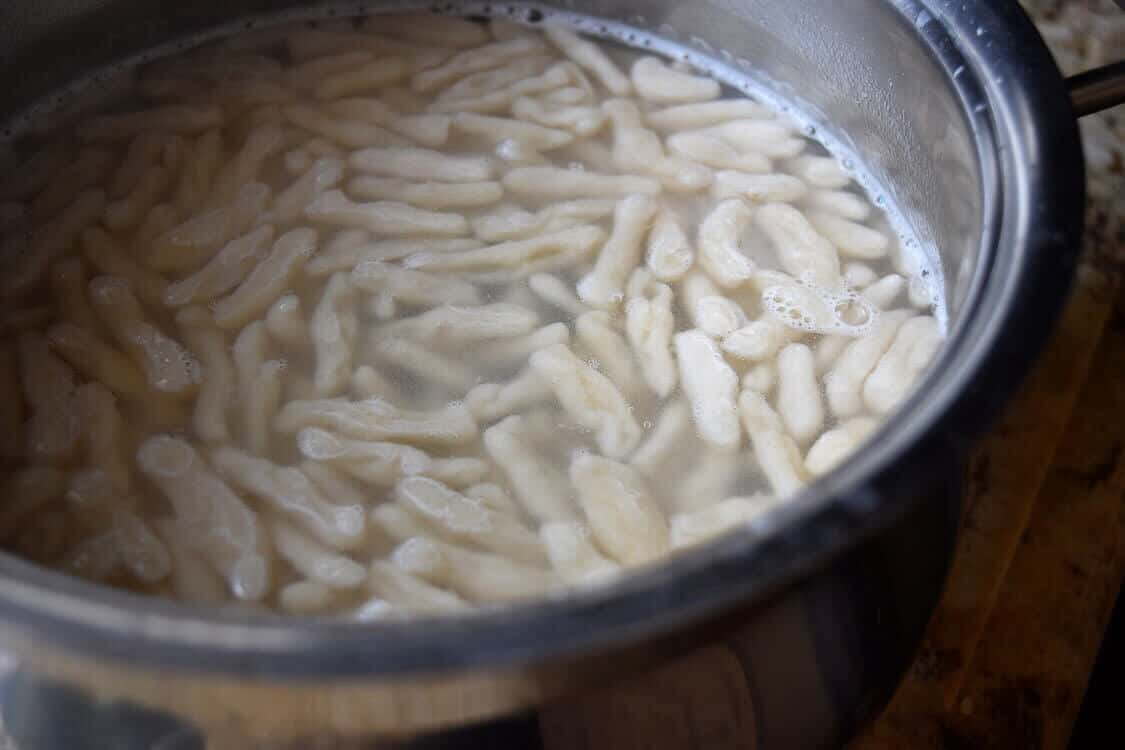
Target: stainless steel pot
pixel 955 107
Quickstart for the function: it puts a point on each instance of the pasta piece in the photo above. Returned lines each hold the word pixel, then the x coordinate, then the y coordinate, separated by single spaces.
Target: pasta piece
pixel 68 293
pixel 839 203
pixel 222 273
pixel 885 292
pixel 713 151
pixel 800 248
pixel 217 382
pixel 711 386
pixel 265 397
pixel 605 285
pixel 465 520
pixel 455 325
pixel 582 121
pixel 26 491
pixel 384 217
pixel 773 139
pixel 777 454
pixel 690 529
pixel 664 440
pixel 384 464
pixel 835 445
pixel 429 195
pixel 668 254
pixel 291 492
pixel 623 518
pixel 708 480
pixel 757 188
pixel 193 581
pixel 858 275
pixel 719 242
pixel 425 364
pixel 414 287
pixel 376 419
pixel 422 164
pixel 107 257
pixel 377 74
pixel 346 133
pixel 702 115
pixel 211 517
pixel 573 554
pixel 590 398
pixel 498 129
pixel 555 292
pixel 34 254
pixel 543 491
pixel 494 497
pixel 492 401
pixel 52 432
pixel 332 330
pixel 246 165
pixel 851 239
pixel 521 256
pixel 636 149
pixel 427 129
pixel 314 560
pixel 305 598
pixel 718 316
pixel 696 287
pixel 914 345
pixel 759 340
pixel 479 576
pixel 188 119
pixel 192 243
pixel 844 382
pixel 466 63
pixel 290 204
pixel 656 81
pixel 590 57
pixel 510 223
pixel 762 378
pixel 267 281
pixel 598 338
pixel 502 88
pixel 329 59
pixel 168 367
pixel 506 353
pixel 828 350
pixel 411 593
pixel 102 429
pixel 97 360
pixel 560 184
pixel 141 551
pixel 345 256
pixel 798 397
pixel 822 172
pixel 129 211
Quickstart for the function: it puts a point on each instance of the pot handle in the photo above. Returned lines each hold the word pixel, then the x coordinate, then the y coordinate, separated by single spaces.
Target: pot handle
pixel 1097 89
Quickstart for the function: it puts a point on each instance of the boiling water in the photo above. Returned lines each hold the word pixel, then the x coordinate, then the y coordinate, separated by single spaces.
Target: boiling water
pixel 225 381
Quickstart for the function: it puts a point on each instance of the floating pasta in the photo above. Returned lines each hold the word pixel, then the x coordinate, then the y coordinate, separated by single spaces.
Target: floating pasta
pixel 591 399
pixel 376 419
pixel 384 217
pixel 710 385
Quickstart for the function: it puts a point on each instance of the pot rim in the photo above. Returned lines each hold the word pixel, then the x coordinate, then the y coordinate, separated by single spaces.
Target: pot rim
pixel 1028 144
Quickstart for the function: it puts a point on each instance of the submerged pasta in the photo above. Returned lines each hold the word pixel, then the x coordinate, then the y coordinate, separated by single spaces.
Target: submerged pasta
pixel 399 318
